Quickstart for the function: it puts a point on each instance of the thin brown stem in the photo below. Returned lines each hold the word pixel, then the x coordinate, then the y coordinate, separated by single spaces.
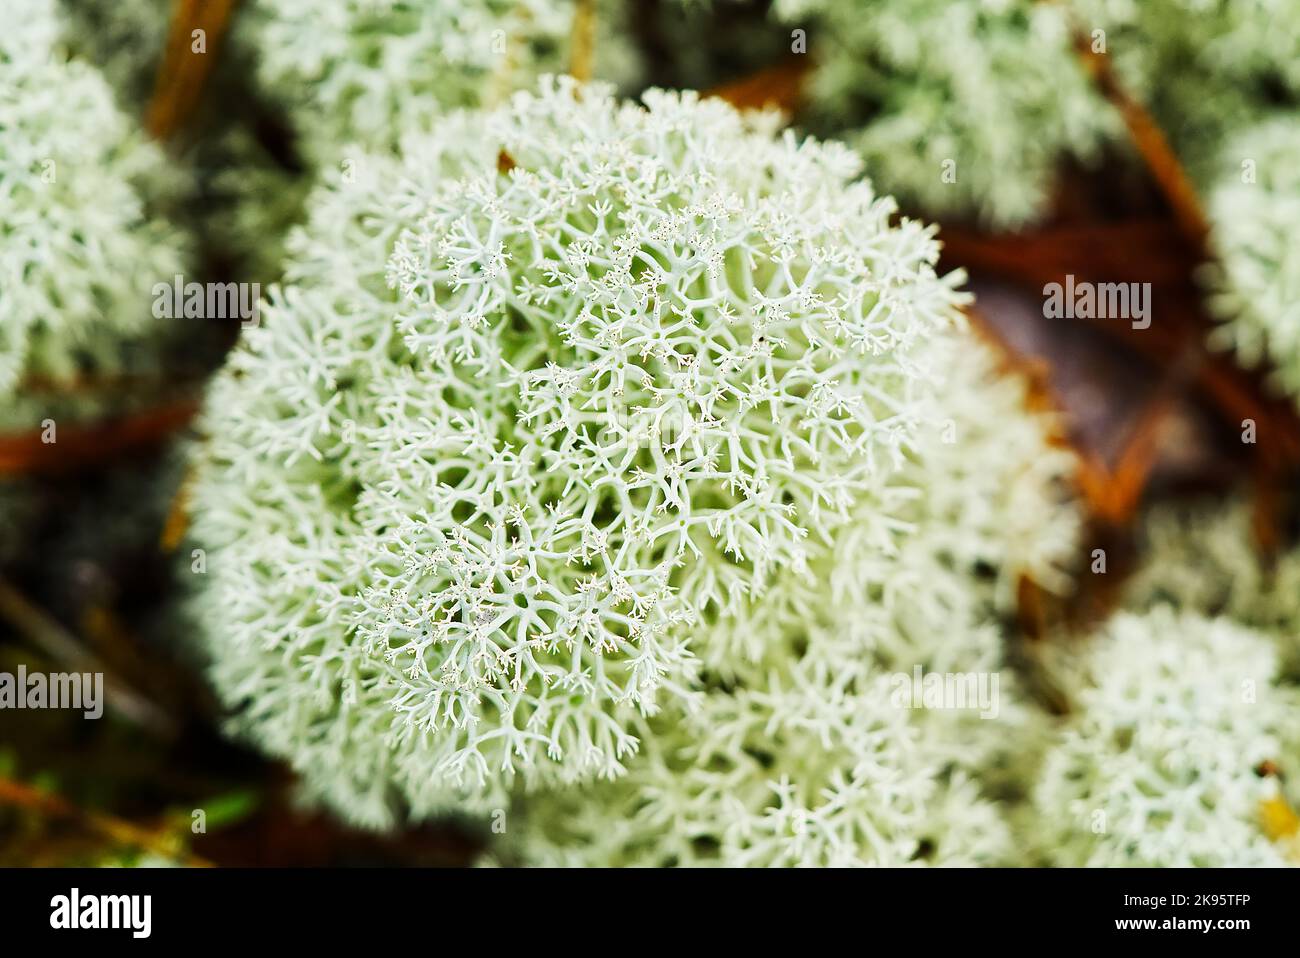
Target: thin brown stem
pixel 1149 140
pixel 780 86
pixel 193 44
pixel 582 45
pixel 47 634
pixel 38 451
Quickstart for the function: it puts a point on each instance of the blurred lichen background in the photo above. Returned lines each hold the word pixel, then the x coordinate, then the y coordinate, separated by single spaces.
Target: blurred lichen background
pixel 609 432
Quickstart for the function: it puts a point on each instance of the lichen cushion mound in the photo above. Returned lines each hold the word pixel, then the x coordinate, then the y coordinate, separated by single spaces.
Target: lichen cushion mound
pixel 801 751
pixel 1156 765
pixel 79 254
pixel 1205 71
pixel 963 108
pixel 360 73
pixel 1203 556
pixel 538 411
pixel 352 77
pixel 1255 283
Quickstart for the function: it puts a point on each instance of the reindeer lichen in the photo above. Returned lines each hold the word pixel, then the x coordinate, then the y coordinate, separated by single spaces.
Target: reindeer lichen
pixel 540 413
pixel 962 108
pixel 1256 278
pixel 79 253
pixel 799 751
pixel 1157 763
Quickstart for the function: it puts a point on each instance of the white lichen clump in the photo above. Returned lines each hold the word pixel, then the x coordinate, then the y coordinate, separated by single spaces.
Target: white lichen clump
pixel 1157 764
pixel 542 412
pixel 79 255
pixel 1203 556
pixel 353 77
pixel 964 109
pixel 363 73
pixel 1204 70
pixel 1256 283
pixel 801 751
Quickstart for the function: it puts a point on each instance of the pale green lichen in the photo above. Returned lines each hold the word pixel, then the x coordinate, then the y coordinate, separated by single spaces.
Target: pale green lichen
pixel 1156 765
pixel 1203 556
pixel 79 253
pixel 969 107
pixel 962 108
pixel 359 75
pixel 539 412
pixel 1255 281
pixel 798 752
pixel 1205 69
pixel 355 77
pixel 233 181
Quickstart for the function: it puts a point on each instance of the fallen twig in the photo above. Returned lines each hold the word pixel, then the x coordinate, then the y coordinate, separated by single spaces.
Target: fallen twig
pixel 582 42
pixel 47 634
pixel 779 86
pixel 184 70
pixel 74 446
pixel 1151 144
